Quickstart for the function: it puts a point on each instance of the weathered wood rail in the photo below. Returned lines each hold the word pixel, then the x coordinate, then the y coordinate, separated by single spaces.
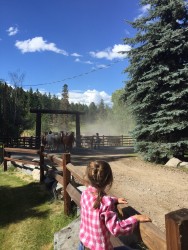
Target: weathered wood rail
pixel 9 154
pixel 176 222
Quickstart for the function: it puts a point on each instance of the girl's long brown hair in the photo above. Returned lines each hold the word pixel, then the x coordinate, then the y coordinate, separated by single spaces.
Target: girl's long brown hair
pixel 100 175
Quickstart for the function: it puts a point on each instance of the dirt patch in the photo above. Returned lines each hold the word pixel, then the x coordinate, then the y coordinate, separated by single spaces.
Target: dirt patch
pixel 150 188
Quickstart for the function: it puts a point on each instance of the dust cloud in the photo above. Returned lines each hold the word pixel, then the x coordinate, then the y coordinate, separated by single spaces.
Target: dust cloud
pixel 107 127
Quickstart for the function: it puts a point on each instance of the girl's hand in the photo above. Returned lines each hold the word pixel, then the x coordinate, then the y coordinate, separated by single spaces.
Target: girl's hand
pixel 122 201
pixel 141 217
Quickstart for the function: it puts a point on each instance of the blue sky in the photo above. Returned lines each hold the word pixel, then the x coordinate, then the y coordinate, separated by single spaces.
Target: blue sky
pixel 73 42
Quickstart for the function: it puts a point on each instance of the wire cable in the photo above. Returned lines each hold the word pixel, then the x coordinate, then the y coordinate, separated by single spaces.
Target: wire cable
pixel 76 76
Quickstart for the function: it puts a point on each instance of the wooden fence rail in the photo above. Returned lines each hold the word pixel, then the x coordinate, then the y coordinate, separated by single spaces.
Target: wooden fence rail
pixel 85 141
pixel 9 154
pixel 106 141
pixel 21 142
pixel 176 222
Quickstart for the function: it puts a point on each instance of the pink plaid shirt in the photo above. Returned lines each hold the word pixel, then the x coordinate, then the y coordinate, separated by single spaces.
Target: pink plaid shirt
pixel 98 224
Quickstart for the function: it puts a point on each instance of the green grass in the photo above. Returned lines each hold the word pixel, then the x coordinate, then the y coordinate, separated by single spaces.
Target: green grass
pixel 29 216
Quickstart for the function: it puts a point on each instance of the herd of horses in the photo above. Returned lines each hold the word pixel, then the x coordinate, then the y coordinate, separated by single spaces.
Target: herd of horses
pixel 56 141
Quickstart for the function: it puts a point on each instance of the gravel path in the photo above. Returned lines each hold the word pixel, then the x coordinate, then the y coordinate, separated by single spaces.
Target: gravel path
pixel 151 189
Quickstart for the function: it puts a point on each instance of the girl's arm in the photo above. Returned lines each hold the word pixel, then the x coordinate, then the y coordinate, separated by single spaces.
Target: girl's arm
pixel 117 227
pixel 120 227
pixel 122 201
pixel 119 200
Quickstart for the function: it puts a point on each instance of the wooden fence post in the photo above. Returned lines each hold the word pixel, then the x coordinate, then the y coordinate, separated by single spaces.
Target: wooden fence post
pixel 66 180
pixel 1 152
pixel 177 229
pixel 4 161
pixel 41 163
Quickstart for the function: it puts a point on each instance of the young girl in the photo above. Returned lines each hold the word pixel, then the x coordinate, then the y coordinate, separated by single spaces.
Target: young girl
pixel 98 217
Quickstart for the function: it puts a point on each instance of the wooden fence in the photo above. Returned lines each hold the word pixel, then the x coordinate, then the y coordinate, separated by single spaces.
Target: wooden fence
pixel 84 141
pixel 1 152
pixel 21 142
pixel 106 141
pixel 9 154
pixel 176 222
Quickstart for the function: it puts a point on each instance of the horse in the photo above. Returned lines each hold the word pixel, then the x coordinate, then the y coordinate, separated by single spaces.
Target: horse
pixel 68 141
pixel 52 140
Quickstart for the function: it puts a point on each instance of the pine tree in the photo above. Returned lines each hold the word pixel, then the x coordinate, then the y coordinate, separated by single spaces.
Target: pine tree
pixel 157 89
pixel 65 106
pixel 92 112
pixel 101 110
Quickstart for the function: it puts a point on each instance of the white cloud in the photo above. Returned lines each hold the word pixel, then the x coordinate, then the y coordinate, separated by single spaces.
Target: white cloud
pixel 89 96
pixel 38 44
pixel 143 10
pixel 80 61
pixel 12 31
pixel 112 53
pixel 77 60
pixel 85 97
pixel 102 66
pixel 76 54
pixel 87 62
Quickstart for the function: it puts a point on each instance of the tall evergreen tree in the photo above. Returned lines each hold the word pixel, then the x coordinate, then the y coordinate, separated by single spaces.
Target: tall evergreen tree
pixel 92 112
pixel 65 106
pixel 102 110
pixel 157 88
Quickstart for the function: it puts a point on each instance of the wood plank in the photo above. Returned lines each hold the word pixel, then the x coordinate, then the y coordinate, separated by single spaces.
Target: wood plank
pixel 152 237
pixel 53 158
pixel 177 229
pixel 74 193
pixel 22 161
pixel 77 171
pixel 22 150
pixel 116 242
pixel 66 181
pixel 58 177
pixel 149 233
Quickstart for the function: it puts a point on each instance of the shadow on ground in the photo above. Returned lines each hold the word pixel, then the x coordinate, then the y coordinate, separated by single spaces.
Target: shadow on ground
pixel 81 157
pixel 19 203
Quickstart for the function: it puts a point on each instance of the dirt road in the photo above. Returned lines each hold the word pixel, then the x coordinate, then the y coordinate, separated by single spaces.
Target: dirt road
pixel 149 188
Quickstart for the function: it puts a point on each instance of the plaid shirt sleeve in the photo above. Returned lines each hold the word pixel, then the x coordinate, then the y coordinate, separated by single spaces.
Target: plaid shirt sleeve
pixel 115 226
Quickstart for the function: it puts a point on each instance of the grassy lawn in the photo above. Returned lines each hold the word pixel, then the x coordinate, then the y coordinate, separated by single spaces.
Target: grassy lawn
pixel 29 216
